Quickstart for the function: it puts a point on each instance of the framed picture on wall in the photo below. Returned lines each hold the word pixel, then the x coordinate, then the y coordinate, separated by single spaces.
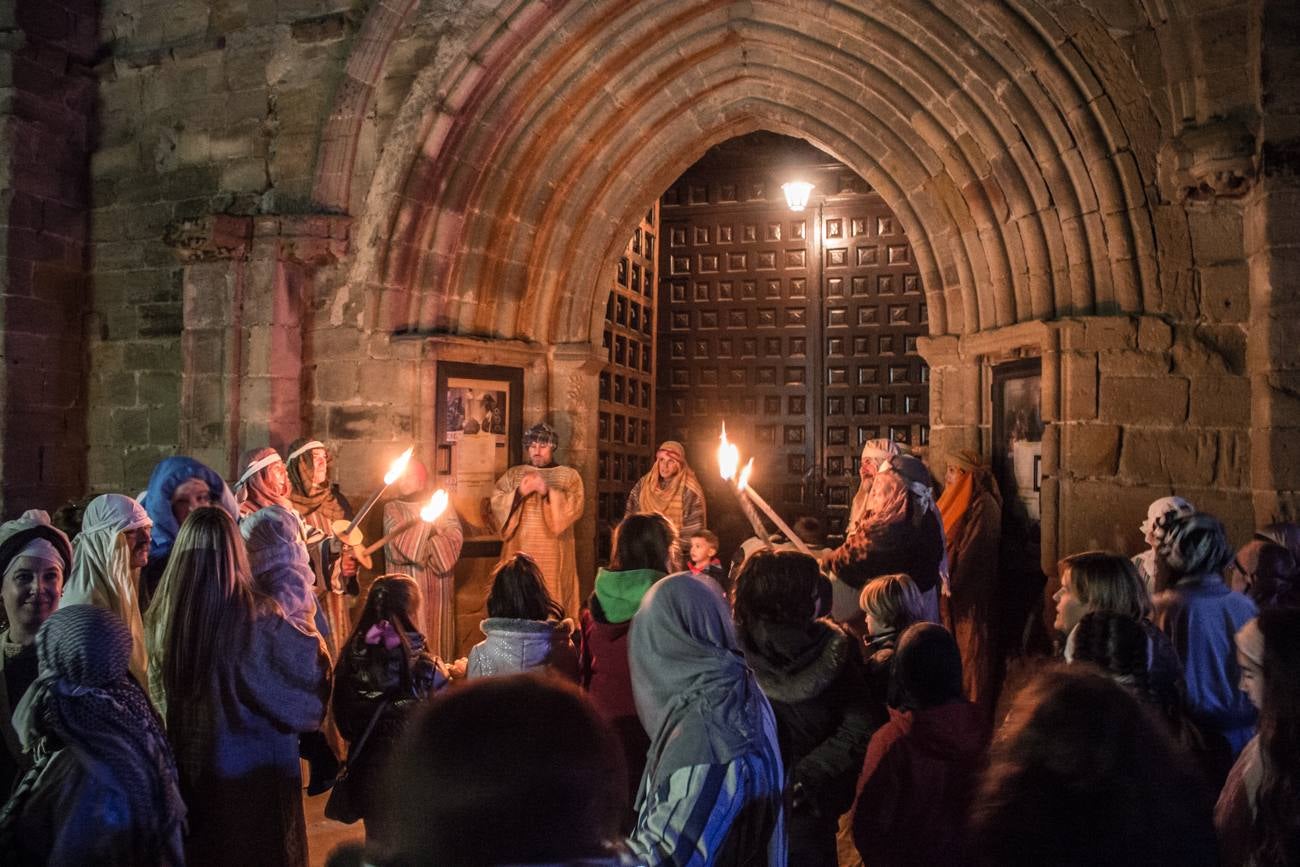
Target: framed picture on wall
pixel 1018 436
pixel 479 427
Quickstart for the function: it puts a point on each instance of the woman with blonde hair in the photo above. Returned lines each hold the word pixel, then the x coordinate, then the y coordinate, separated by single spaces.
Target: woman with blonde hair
pixel 236 681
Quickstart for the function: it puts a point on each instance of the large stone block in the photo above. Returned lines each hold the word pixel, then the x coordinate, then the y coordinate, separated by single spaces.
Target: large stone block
pixel 1178 457
pixel 1219 401
pixel 1078 386
pixel 1089 450
pixel 1225 292
pixel 1138 400
pixel 360 422
pixel 1105 515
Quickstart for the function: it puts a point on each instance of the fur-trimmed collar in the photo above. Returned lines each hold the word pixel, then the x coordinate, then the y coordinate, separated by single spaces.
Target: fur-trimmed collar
pixel 794 664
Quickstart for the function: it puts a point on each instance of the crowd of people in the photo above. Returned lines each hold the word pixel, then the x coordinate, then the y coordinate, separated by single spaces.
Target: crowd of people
pixel 168 661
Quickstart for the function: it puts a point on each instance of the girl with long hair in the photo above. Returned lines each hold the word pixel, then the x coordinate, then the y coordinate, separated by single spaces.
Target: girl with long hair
pixel 525 628
pixel 383 674
pixel 645 550
pixel 236 682
pixel 1258 814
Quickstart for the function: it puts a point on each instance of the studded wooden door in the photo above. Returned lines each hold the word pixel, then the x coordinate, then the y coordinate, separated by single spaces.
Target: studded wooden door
pixel 798 329
pixel 627 383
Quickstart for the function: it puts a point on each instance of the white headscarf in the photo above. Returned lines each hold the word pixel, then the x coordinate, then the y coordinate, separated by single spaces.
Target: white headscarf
pixel 101 568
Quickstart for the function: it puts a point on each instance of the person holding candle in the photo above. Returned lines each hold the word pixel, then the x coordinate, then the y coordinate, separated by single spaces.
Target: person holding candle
pixel 671 489
pixel 899 531
pixel 535 505
pixel 426 551
pixel 320 504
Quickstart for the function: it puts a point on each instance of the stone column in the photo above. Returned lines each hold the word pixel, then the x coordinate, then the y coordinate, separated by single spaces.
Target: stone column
pixel 574 393
pixel 242 333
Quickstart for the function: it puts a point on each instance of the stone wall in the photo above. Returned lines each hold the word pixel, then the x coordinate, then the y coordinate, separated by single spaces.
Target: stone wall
pixel 47 130
pixel 290 198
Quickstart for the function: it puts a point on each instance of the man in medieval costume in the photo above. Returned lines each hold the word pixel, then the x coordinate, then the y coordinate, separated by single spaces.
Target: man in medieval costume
pixel 671 489
pixel 428 553
pixel 320 504
pixel 535 506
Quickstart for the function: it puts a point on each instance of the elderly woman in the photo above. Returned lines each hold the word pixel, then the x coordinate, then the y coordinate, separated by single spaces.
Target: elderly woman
pixel 103 789
pixel 107 556
pixel 899 531
pixel 712 788
pixel 34 557
pixel 178 486
pixel 1160 514
pixel 1200 614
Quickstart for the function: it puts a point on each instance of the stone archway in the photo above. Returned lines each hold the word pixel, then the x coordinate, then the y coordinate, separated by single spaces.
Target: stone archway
pixel 1034 157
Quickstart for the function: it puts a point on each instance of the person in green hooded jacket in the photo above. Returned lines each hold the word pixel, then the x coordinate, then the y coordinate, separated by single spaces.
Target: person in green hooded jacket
pixel 645 550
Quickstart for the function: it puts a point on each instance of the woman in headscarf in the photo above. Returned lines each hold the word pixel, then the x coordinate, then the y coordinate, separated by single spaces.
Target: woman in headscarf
pixel 279 563
pixel 320 504
pixel 1160 514
pixel 264 482
pixel 899 531
pixel 428 553
pixel 103 789
pixel 971 508
pixel 34 557
pixel 1200 614
pixel 712 788
pixel 178 486
pixel 109 552
pixel 236 682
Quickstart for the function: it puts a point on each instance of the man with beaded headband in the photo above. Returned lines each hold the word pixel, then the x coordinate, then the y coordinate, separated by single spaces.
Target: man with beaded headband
pixel 535 506
pixel 320 504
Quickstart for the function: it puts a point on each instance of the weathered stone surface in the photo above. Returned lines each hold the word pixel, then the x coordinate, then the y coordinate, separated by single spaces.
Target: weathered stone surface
pixel 1090 450
pixel 1134 400
pixel 1178 457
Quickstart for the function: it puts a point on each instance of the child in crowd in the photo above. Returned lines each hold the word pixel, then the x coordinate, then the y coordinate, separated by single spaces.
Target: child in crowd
pixel 525 629
pixel 892 603
pixel 383 674
pixel 704 557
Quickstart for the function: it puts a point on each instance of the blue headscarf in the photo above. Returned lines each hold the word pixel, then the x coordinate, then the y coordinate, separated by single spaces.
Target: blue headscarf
pixel 169 475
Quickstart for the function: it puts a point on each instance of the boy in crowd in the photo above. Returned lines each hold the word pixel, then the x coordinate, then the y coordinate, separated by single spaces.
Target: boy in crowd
pixel 704 557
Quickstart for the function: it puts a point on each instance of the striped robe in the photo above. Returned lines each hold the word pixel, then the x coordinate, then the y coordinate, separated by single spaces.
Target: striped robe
pixel 526 525
pixel 428 553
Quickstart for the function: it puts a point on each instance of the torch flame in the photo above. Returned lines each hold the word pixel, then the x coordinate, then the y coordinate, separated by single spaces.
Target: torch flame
pixel 436 506
pixel 743 481
pixel 728 456
pixel 398 466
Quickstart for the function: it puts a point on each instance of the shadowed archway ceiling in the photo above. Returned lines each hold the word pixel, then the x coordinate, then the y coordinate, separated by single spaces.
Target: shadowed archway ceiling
pixel 981 125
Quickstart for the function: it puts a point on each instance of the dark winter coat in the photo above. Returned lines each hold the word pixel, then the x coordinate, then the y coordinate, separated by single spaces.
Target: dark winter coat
pixel 814 678
pixel 912 546
pixel 368 677
pixel 917 785
pixel 603 666
pixel 879 671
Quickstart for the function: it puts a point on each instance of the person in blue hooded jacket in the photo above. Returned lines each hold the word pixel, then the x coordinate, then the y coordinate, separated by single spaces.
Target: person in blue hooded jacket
pixel 1201 616
pixel 178 486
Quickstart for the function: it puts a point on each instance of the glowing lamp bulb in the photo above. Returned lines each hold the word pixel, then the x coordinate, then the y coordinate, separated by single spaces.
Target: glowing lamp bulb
pixel 796 194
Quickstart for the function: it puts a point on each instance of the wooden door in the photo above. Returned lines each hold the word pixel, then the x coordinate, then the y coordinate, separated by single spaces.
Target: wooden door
pixel 627 383
pixel 797 329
